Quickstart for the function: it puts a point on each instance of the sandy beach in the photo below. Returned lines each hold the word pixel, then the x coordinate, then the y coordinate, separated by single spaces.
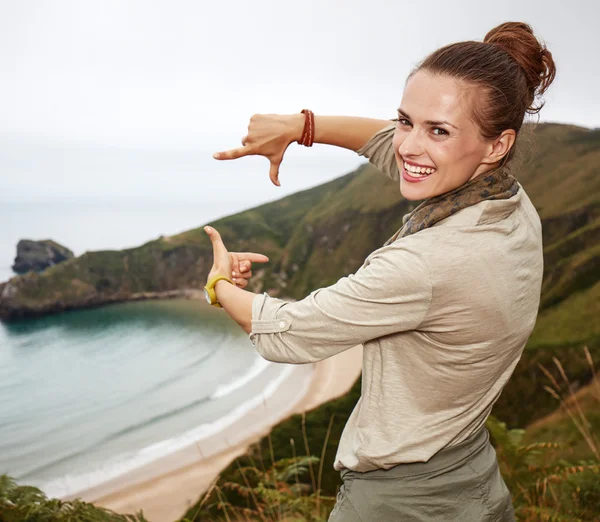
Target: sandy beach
pixel 164 490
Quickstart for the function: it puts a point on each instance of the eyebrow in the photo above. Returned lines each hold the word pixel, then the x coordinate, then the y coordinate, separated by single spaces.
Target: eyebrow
pixel 428 122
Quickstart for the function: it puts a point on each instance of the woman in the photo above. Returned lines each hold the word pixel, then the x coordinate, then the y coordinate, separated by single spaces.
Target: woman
pixel 445 307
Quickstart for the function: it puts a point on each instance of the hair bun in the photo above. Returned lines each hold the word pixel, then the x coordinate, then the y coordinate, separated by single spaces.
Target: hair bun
pixel 518 40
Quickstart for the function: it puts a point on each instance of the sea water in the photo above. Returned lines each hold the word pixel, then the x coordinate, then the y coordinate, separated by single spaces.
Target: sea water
pixel 86 392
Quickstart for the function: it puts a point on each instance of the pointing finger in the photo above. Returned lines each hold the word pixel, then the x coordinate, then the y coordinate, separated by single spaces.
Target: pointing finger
pixel 233 153
pixel 253 258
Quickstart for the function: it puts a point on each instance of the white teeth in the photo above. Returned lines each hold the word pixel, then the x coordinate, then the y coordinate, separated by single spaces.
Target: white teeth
pixel 418 170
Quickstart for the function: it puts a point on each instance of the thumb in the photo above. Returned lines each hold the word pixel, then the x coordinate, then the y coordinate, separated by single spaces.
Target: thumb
pixel 219 249
pixel 274 172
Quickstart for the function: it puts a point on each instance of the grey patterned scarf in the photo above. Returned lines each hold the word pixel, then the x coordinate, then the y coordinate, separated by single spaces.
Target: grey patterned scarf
pixel 496 184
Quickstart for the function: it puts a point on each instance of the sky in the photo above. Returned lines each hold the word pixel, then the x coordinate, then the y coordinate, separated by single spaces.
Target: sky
pixel 125 100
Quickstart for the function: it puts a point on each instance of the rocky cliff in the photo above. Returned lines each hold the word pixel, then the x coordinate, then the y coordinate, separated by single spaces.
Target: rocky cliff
pixel 39 255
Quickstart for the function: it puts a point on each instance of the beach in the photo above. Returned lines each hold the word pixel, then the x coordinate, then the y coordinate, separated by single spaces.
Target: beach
pixel 166 488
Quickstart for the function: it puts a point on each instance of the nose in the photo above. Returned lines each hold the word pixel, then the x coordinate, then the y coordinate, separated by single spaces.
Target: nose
pixel 411 146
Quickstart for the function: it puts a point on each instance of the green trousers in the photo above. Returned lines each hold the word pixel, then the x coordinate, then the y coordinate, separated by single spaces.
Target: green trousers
pixel 461 483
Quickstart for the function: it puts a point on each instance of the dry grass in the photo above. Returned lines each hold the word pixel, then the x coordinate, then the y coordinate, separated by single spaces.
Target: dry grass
pixel 274 499
pixel 570 401
pixel 544 489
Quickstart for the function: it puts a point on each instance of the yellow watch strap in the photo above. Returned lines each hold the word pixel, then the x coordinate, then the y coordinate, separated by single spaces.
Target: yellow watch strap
pixel 210 288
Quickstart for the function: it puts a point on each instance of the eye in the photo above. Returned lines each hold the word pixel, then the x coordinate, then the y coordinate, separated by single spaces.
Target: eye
pixel 402 121
pixel 441 133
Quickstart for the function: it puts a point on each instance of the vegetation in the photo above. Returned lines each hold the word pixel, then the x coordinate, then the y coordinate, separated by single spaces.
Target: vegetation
pixel 341 221
pixel 318 235
pixel 29 504
pixel 548 480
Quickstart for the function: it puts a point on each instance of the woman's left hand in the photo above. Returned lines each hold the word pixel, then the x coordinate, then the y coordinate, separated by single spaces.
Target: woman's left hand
pixel 233 265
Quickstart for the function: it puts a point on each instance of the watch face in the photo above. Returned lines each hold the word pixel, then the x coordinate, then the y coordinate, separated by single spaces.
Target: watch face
pixel 207 296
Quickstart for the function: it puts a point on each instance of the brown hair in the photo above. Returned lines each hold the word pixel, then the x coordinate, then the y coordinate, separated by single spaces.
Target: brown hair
pixel 510 66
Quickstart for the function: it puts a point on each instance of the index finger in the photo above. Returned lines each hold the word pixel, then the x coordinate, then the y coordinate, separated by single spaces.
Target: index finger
pixel 232 153
pixel 254 258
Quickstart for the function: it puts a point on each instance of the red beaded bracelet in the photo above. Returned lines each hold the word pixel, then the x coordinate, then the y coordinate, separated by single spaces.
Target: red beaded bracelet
pixel 308 134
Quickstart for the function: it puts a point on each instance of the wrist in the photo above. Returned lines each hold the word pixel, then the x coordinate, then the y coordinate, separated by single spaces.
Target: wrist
pixel 219 273
pixel 210 290
pixel 220 284
pixel 220 289
pixel 296 126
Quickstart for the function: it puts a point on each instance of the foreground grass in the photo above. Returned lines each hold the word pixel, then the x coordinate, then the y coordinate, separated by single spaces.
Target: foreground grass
pixel 552 469
pixel 29 504
pixel 552 477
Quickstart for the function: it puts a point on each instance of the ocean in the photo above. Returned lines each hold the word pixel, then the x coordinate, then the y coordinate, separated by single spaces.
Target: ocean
pixel 88 393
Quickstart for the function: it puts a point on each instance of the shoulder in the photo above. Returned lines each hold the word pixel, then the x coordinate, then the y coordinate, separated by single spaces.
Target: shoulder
pixel 487 230
pixel 509 212
pixel 508 231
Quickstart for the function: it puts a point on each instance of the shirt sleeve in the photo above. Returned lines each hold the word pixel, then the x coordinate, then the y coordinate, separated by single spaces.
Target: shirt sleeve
pixel 380 152
pixel 390 293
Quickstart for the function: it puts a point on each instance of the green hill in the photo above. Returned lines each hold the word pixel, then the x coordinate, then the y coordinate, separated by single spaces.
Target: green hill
pixel 342 222
pixel 318 235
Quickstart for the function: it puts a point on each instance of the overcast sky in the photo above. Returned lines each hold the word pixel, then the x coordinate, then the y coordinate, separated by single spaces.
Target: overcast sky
pixel 127 100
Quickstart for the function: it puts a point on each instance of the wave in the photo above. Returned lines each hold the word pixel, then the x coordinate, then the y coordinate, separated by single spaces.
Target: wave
pixel 175 377
pixel 156 418
pixel 75 483
pixel 116 435
pixel 256 369
pixel 66 418
pixel 259 366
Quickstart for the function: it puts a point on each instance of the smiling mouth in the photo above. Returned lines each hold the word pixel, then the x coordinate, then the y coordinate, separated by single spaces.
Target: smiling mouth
pixel 418 172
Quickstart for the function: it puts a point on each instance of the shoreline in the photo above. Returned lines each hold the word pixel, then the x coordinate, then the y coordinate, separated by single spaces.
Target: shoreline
pixel 165 489
pixel 7 290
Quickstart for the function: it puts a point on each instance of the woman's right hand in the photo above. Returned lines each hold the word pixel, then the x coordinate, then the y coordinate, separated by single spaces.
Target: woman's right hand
pixel 269 135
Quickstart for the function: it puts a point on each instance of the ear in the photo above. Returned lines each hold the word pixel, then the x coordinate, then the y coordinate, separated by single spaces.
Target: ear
pixel 500 146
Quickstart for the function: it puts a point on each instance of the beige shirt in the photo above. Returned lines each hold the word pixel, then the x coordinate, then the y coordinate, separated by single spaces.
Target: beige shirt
pixel 443 316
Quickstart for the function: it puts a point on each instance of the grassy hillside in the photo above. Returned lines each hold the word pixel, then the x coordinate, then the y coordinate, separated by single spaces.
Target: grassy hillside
pixel 342 222
pixel 318 235
pixel 163 265
pixel 558 166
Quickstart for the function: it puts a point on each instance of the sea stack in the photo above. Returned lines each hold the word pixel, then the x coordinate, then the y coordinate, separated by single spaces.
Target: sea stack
pixel 39 255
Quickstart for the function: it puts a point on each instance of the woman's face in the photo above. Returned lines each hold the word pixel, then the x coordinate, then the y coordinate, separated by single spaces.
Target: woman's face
pixel 435 134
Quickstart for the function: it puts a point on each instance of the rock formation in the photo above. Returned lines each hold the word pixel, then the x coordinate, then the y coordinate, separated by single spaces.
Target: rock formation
pixel 39 255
